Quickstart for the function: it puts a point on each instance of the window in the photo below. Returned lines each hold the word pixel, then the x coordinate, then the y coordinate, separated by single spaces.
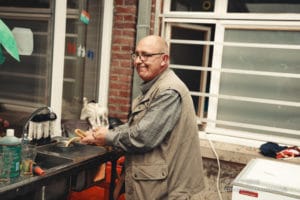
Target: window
pixel 28 82
pixel 260 88
pixel 190 54
pixel 81 69
pixel 51 75
pixel 192 5
pixel 242 69
pixel 264 6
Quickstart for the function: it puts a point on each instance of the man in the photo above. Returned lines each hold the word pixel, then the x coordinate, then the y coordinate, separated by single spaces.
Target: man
pixel 160 139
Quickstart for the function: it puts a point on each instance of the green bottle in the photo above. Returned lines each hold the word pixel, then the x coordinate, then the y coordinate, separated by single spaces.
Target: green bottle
pixel 10 147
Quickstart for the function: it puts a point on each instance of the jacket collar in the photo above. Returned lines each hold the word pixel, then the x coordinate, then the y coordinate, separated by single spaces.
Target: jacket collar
pixel 145 86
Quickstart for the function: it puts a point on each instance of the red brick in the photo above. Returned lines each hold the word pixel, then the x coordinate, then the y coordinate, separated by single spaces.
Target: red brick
pixel 124 93
pixel 119 2
pixel 125 9
pixel 131 18
pixel 118 18
pixel 130 2
pixel 129 25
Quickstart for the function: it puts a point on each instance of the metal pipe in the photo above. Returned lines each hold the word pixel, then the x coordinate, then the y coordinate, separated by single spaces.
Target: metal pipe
pixel 142 30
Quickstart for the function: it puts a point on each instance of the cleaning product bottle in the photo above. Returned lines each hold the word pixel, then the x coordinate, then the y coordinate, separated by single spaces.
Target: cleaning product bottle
pixel 10 147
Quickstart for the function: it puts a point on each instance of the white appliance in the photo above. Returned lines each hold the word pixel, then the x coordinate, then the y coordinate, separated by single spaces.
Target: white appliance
pixel 264 179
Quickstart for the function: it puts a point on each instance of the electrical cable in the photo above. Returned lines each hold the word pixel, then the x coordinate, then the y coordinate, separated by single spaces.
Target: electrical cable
pixel 219 167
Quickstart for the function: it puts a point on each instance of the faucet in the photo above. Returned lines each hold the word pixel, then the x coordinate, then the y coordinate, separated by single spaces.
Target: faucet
pixel 25 139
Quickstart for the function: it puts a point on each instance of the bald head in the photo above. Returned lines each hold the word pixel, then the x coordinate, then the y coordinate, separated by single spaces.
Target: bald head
pixel 155 42
pixel 152 57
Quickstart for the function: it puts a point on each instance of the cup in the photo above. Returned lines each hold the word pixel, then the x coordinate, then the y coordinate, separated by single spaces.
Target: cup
pixel 27 159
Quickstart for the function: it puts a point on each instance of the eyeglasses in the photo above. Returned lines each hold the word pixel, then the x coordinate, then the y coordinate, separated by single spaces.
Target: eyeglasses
pixel 144 56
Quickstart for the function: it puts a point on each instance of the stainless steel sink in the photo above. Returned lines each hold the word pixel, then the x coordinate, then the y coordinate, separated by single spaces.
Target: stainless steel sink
pixel 76 151
pixel 71 168
pixel 47 161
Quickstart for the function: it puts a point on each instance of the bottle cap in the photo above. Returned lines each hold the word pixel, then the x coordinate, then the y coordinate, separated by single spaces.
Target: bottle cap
pixel 10 132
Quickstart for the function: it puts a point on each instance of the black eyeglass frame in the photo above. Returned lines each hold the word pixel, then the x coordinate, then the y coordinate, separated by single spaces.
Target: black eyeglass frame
pixel 145 56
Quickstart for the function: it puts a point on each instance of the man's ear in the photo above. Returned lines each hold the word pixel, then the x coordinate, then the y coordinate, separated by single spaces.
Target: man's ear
pixel 165 60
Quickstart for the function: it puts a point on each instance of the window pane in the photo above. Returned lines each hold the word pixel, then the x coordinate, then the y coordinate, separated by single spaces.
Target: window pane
pixel 190 78
pixel 262 36
pixel 193 5
pixel 194 80
pixel 264 6
pixel 261 59
pixel 259 114
pixel 27 3
pixel 28 81
pixel 73 4
pixel 260 86
pixel 81 65
pixel 264 87
pixel 192 31
pixel 185 54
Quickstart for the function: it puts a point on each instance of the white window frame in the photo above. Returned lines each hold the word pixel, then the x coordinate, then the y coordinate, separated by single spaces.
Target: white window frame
pixel 58 61
pixel 221 19
pixel 212 113
pixel 58 57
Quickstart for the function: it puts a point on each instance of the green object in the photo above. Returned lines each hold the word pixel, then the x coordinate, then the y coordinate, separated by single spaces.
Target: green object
pixel 10 147
pixel 2 58
pixel 8 41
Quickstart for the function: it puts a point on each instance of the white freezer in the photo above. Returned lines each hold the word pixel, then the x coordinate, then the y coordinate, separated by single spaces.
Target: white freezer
pixel 264 179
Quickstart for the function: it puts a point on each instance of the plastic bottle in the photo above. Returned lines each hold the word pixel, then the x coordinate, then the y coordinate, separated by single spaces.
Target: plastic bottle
pixel 10 146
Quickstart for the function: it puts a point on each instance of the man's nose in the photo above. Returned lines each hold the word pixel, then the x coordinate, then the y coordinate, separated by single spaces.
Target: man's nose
pixel 138 59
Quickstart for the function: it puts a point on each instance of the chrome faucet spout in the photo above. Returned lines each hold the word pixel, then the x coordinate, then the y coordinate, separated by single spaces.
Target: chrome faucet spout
pixel 25 138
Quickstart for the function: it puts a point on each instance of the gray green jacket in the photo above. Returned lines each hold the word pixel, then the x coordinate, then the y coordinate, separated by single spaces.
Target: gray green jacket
pixel 173 169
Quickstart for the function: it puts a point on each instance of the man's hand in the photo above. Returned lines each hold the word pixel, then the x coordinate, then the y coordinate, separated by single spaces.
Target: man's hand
pixel 95 136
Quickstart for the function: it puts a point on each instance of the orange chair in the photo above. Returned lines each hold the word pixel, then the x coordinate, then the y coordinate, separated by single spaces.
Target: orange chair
pixel 101 190
pixel 106 184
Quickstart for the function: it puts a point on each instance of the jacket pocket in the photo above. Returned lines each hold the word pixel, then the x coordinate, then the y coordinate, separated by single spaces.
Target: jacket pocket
pixel 150 172
pixel 149 182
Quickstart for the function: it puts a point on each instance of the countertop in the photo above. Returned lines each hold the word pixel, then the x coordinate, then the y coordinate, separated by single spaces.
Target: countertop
pixel 78 158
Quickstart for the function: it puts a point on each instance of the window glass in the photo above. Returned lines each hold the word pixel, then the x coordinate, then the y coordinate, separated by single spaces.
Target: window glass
pixel 73 4
pixel 247 72
pixel 27 3
pixel 185 54
pixel 81 64
pixel 28 81
pixel 193 5
pixel 262 89
pixel 262 36
pixel 259 114
pixel 259 59
pixel 264 6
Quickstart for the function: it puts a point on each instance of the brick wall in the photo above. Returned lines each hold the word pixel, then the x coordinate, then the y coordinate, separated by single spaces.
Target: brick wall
pixel 121 70
pixel 123 43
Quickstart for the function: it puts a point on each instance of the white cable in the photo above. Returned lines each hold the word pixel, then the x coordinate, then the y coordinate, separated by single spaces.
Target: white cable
pixel 219 167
